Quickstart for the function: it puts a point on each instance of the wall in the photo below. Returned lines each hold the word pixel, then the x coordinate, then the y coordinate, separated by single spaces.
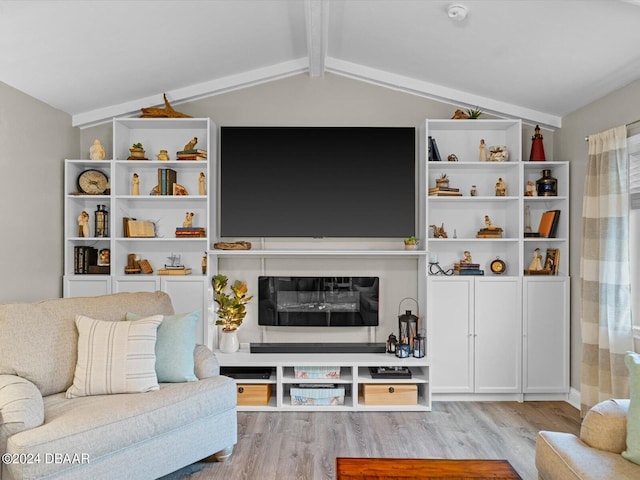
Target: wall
pixel 34 140
pixel 618 108
pixel 331 100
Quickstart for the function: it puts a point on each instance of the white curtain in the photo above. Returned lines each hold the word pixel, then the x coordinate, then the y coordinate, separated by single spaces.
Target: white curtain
pixel 607 330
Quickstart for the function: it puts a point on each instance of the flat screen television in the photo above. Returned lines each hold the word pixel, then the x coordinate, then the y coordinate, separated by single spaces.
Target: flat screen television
pixel 317 182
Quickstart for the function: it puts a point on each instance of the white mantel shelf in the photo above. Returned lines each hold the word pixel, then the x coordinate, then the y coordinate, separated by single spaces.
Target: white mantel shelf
pixel 319 253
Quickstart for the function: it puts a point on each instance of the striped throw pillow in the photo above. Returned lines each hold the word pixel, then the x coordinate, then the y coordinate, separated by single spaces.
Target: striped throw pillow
pixel 115 357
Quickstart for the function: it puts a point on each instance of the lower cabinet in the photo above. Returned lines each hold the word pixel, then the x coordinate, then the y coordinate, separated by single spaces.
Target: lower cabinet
pixel 476 334
pixel 499 337
pixel 546 335
pixel 188 293
pixel 353 388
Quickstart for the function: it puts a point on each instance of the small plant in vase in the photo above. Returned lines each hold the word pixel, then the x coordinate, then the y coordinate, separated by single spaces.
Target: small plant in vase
pixel 474 113
pixel 231 309
pixel 411 243
pixel 136 152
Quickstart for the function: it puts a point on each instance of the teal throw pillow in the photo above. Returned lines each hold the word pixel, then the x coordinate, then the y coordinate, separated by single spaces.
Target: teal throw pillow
pixel 175 344
pixel 632 453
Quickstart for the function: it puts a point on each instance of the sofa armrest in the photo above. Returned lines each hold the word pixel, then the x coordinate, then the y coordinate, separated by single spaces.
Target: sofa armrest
pixel 206 363
pixel 605 426
pixel 21 407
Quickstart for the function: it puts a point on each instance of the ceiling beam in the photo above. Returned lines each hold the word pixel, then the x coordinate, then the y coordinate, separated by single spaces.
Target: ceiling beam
pixel 317 23
pixel 441 93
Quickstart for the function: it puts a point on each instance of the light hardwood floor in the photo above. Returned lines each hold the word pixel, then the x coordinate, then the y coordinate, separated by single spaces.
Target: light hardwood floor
pixel 304 446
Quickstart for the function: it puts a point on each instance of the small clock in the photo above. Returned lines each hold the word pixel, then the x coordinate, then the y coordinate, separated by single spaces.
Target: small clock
pixel 498 266
pixel 93 182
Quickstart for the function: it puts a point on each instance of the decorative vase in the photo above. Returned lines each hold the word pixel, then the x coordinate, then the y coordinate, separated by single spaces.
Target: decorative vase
pixel 229 341
pixel 547 186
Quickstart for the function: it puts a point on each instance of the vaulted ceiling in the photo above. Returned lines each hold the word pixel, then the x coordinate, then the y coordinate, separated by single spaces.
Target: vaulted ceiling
pixel 533 59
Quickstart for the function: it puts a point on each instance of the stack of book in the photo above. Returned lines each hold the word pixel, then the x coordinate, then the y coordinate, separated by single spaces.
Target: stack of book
pixel 444 192
pixel 495 232
pixel 167 178
pixel 467 269
pixel 190 232
pixel 84 258
pixel 169 270
pixel 192 154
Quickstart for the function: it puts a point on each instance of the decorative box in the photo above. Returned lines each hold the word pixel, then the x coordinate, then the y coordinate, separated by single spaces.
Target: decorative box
pixel 389 394
pixel 316 372
pixel 317 395
pixel 254 393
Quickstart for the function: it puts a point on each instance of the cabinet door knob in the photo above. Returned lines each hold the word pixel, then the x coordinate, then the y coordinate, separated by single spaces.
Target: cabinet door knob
pixel 391 389
pixel 240 389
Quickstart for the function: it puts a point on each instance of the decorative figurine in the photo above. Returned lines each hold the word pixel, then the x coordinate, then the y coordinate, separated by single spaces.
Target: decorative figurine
pixel 163 155
pixel 459 115
pixel 487 223
pixel 467 257
pixel 166 112
pixel 96 152
pixel 452 158
pixel 501 188
pixel 203 264
pixel 201 185
pixel 188 220
pixel 536 263
pixel 530 189
pixel 83 225
pixel 438 232
pixel 135 184
pixel 498 153
pixel 527 219
pixel 483 153
pixel 474 191
pixel 537 148
pixel 192 143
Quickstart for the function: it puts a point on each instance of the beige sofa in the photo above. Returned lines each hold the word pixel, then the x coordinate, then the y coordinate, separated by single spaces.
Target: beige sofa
pixel 596 455
pixel 136 435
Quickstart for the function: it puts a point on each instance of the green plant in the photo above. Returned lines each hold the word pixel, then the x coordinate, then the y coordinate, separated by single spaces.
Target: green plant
pixel 137 145
pixel 410 241
pixel 474 113
pixel 231 306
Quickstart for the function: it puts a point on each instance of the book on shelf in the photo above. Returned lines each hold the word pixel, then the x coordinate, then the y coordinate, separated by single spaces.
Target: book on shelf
pixel 133 228
pixel 444 193
pixel 83 258
pixel 434 152
pixel 489 233
pixel 473 271
pixel 466 266
pixel 192 154
pixel 444 189
pixel 167 177
pixel 190 232
pixel 549 223
pixel 174 271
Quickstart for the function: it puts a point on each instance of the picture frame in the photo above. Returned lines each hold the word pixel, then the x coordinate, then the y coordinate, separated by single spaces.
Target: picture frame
pixel 104 257
pixel 552 260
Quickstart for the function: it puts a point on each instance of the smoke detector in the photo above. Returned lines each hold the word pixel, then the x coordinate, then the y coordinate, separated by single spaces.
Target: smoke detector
pixel 457 12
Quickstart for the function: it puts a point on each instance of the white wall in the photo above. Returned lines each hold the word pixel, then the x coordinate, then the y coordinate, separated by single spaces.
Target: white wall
pixel 34 140
pixel 618 108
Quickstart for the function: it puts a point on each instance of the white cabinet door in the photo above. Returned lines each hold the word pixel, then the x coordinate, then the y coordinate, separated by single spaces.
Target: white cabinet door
pixel 546 335
pixel 136 283
pixel 450 307
pixel 187 295
pixel 498 334
pixel 86 285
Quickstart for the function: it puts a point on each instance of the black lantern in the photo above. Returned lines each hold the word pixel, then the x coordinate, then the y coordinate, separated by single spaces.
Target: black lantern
pixel 407 325
pixel 391 343
pixel 419 345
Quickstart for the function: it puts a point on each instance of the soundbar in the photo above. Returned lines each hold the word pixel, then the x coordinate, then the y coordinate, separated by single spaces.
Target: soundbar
pixel 350 347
